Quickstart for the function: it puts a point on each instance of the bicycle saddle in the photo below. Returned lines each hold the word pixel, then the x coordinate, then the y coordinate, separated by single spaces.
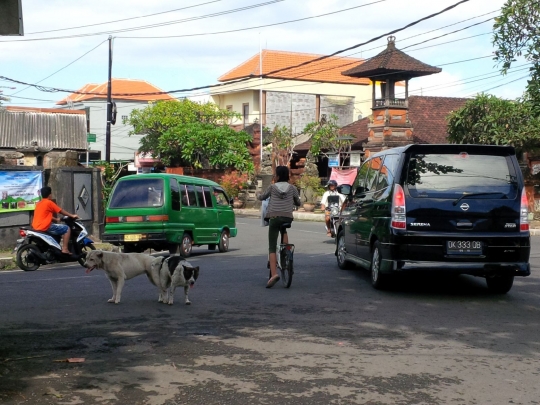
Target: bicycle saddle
pixel 286 225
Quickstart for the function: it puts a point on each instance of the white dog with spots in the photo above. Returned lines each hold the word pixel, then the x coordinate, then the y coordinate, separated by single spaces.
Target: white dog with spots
pixel 174 272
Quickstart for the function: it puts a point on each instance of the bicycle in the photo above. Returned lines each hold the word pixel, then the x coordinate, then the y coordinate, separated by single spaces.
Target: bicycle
pixel 284 257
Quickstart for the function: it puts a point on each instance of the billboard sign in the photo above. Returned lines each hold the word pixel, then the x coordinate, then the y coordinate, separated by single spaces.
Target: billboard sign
pixel 20 190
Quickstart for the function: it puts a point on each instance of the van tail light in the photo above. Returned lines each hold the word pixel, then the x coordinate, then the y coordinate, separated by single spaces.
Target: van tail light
pixel 524 212
pixel 399 213
pixel 22 233
pixel 140 218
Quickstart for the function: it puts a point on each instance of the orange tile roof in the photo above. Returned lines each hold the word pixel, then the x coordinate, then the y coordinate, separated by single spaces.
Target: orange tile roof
pixel 119 86
pixel 327 70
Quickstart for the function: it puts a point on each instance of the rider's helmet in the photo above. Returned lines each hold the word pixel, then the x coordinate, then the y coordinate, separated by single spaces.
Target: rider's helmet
pixel 331 183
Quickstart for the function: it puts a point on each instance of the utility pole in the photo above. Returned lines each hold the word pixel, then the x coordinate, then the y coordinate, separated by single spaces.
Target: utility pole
pixel 109 108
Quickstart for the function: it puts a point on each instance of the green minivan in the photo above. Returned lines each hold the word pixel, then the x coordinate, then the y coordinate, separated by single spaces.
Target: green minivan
pixel 168 212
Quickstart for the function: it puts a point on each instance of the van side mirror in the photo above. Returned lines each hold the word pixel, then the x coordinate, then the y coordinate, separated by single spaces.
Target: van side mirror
pixel 344 189
pixel 231 201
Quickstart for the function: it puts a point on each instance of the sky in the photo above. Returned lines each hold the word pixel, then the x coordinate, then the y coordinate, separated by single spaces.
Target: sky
pixel 179 45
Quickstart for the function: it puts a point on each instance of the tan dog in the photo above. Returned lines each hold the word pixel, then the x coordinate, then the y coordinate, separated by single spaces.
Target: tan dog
pixel 120 267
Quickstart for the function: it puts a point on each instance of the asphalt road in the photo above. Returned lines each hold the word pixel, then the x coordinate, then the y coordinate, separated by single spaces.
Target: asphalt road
pixel 329 339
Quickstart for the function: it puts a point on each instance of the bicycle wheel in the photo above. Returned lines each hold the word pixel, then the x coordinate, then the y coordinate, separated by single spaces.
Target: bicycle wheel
pixel 286 268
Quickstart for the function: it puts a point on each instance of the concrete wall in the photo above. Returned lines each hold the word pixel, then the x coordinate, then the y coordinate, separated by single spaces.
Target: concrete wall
pixel 230 94
pixel 293 110
pixel 61 180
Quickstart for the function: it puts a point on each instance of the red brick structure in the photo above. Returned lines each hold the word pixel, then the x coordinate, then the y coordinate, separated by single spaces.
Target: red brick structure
pixel 427 116
pixel 390 125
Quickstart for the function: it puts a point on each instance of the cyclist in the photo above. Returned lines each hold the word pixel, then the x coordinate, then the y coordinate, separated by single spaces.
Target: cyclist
pixel 283 197
pixel 332 185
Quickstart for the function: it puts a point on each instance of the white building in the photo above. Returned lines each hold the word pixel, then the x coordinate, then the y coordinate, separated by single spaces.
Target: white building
pixel 292 95
pixel 123 146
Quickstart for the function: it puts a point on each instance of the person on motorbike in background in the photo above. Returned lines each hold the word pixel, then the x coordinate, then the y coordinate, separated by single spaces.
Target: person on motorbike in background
pixel 332 185
pixel 44 216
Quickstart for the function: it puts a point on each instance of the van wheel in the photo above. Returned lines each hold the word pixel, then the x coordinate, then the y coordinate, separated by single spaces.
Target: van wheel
pixel 186 245
pixel 378 280
pixel 224 242
pixel 341 252
pixel 500 284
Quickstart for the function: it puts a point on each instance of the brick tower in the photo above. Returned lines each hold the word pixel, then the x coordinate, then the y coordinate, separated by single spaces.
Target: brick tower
pixel 390 126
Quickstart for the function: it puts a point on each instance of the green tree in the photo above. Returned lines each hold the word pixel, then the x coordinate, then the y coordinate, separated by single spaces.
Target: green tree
pixel 326 138
pixel 189 133
pixel 282 141
pixel 490 120
pixel 516 34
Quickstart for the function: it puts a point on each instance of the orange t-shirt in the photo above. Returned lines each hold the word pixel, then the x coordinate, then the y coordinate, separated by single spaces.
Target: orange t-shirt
pixel 43 214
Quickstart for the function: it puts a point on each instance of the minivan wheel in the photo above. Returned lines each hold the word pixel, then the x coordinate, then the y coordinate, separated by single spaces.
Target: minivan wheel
pixel 224 242
pixel 341 252
pixel 500 284
pixel 186 245
pixel 378 280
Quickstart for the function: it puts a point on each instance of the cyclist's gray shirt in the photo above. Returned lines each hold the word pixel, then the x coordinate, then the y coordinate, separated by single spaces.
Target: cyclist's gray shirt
pixel 283 197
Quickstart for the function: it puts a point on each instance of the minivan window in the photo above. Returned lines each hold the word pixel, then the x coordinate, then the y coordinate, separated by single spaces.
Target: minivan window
pixel 138 193
pixel 359 185
pixel 451 175
pixel 188 196
pixel 175 195
pixel 386 175
pixel 371 179
pixel 221 197
pixel 204 196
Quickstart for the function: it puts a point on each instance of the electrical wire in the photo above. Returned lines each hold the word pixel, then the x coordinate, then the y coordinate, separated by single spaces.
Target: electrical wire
pixel 123 19
pixel 59 70
pixel 51 89
pixel 254 27
pixel 218 14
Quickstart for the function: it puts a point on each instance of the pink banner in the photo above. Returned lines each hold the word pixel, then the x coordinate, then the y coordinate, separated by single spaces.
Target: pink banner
pixel 343 176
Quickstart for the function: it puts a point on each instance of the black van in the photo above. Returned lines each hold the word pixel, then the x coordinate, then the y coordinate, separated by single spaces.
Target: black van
pixel 459 208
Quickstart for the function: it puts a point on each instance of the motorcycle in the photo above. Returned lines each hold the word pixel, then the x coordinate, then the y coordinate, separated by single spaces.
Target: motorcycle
pixel 333 208
pixel 38 248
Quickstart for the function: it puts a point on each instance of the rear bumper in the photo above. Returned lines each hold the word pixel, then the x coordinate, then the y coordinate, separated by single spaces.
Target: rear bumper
pixel 118 238
pixel 471 268
pixel 507 254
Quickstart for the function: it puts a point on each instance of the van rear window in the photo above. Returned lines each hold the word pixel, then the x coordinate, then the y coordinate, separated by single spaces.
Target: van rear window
pixel 452 175
pixel 138 193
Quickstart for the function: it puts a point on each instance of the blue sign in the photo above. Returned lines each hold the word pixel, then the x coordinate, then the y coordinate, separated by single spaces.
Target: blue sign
pixel 333 161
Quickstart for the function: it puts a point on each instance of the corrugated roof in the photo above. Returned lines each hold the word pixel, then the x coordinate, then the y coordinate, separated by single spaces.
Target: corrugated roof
pixel 118 86
pixel 42 130
pixel 327 70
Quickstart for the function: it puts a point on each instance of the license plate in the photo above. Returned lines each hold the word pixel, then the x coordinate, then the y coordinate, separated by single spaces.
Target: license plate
pixel 132 238
pixel 468 247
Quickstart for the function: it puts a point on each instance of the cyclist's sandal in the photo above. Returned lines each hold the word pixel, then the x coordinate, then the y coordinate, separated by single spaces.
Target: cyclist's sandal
pixel 272 281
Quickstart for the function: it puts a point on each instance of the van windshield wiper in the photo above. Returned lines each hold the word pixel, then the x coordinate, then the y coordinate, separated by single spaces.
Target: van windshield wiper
pixel 476 194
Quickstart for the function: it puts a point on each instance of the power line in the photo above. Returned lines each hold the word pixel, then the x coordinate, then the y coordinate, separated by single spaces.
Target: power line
pixel 218 14
pixel 123 19
pixel 255 27
pixel 59 70
pixel 51 89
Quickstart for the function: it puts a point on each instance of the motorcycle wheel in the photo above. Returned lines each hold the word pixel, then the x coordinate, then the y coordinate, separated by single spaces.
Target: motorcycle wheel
pixel 27 258
pixel 85 249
